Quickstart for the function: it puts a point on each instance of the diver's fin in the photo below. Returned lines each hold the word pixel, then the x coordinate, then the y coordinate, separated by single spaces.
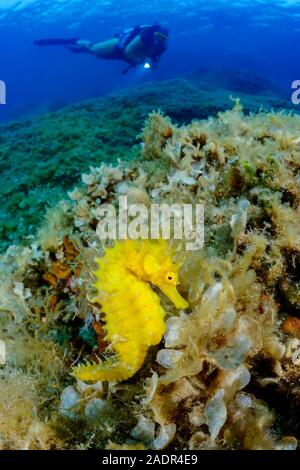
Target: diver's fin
pixel 56 42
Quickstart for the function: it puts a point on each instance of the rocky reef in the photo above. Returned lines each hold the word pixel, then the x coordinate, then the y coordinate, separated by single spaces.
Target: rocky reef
pixel 226 374
pixel 41 157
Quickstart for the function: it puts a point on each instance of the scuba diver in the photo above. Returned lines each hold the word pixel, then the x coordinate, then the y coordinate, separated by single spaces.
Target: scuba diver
pixel 134 45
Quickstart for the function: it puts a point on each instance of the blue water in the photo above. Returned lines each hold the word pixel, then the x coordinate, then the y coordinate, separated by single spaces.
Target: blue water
pixel 259 36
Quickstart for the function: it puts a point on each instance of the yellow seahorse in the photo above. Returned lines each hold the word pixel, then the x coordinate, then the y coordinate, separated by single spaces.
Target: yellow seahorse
pixel 134 316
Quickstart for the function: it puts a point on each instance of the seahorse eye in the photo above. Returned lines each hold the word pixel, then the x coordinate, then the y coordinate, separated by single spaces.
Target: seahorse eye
pixel 170 277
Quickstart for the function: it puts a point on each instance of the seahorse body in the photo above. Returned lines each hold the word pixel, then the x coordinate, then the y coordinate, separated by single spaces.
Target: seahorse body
pixel 134 317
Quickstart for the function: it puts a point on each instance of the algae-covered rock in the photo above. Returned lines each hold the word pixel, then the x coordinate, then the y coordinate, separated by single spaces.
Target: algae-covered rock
pixel 226 375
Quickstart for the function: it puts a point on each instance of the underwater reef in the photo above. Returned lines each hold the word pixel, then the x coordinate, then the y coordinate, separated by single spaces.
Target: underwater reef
pixel 43 156
pixel 222 370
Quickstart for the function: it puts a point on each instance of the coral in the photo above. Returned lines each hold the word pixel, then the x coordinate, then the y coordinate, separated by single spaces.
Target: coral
pixel 133 313
pixel 223 371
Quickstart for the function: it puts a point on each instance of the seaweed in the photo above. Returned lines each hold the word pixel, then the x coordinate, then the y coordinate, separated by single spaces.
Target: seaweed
pixel 228 362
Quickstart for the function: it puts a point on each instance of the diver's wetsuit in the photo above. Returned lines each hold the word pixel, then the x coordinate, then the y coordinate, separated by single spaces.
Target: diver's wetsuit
pixel 153 48
pixel 133 45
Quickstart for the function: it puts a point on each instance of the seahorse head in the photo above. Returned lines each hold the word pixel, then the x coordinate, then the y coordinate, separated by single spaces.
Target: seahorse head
pixel 160 270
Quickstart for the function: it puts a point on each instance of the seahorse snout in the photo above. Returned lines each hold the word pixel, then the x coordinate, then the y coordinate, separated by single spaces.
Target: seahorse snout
pixel 172 293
